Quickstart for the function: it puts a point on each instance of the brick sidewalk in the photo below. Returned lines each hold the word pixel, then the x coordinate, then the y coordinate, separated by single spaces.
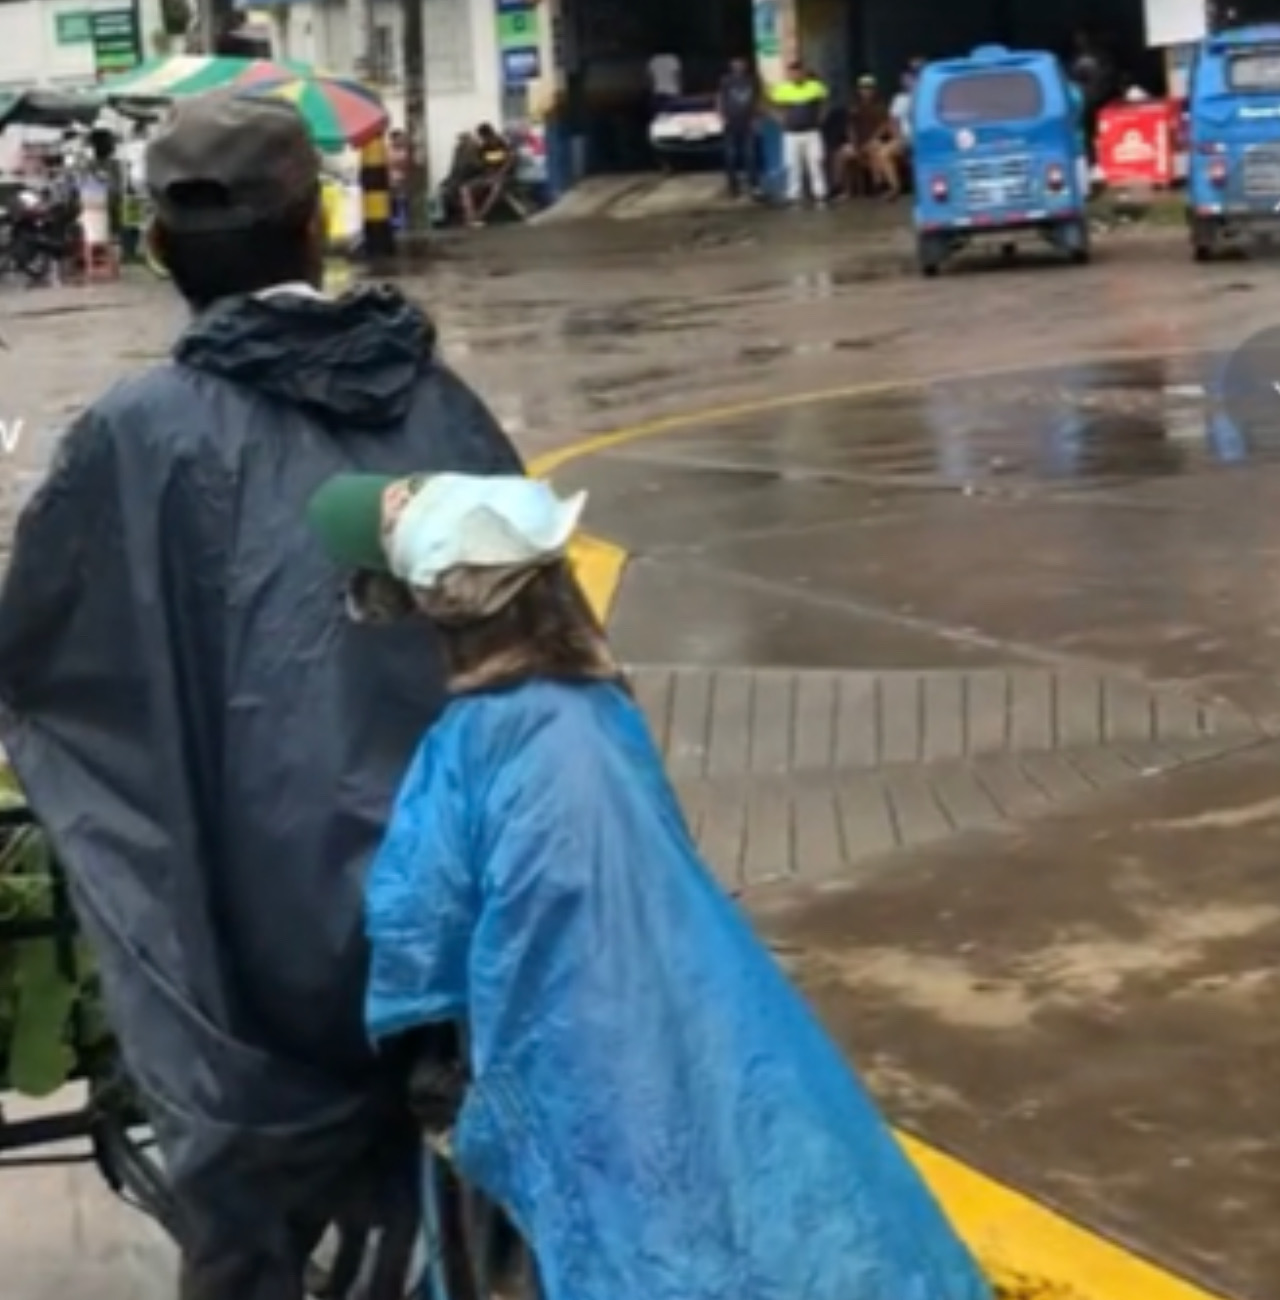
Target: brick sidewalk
pixel 809 774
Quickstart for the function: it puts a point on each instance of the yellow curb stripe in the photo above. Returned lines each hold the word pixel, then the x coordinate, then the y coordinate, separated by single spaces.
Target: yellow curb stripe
pixel 1031 1253
pixel 597 563
pixel 1027 1250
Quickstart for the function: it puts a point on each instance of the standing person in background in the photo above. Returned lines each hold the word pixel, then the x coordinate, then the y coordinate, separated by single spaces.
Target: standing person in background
pixel 666 80
pixel 901 104
pixel 800 102
pixel 133 161
pixel 133 153
pixel 1091 72
pixel 398 173
pixel 739 105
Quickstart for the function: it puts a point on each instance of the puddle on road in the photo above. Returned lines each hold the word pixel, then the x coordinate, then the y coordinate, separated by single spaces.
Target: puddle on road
pixel 774 350
pixel 64 309
pixel 660 317
pixel 1131 420
pixel 1083 427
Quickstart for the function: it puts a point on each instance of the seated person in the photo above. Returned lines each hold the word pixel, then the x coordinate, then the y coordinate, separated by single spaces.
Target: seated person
pixel 478 180
pixel 872 147
pixel 464 168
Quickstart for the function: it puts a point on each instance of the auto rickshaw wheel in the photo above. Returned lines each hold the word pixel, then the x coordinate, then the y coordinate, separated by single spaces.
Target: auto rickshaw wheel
pixel 1204 239
pixel 1077 242
pixel 930 253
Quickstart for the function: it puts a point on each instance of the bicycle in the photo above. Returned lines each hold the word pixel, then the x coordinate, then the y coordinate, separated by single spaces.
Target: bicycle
pixel 454 1253
pixel 110 1119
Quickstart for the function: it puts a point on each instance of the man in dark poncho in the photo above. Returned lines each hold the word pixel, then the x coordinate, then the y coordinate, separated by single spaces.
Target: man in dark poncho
pixel 212 746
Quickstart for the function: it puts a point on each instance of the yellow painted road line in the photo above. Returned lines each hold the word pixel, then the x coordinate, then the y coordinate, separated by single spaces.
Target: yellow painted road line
pixel 600 564
pixel 547 464
pixel 1029 1251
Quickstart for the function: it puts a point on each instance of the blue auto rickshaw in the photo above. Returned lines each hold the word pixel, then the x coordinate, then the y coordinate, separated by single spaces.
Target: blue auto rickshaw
pixel 999 153
pixel 1233 170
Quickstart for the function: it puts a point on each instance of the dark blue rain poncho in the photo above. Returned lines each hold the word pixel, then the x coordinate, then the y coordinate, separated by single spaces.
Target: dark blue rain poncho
pixel 214 748
pixel 652 1103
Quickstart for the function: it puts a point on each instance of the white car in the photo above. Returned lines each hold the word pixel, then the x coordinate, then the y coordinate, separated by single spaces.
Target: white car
pixel 689 126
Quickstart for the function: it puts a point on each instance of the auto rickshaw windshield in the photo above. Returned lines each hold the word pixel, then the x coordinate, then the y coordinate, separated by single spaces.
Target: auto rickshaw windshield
pixel 1006 96
pixel 1255 71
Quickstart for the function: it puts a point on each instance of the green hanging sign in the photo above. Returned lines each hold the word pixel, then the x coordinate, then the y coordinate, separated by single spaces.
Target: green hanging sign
pixel 73 28
pixel 518 28
pixel 117 42
pixel 519 41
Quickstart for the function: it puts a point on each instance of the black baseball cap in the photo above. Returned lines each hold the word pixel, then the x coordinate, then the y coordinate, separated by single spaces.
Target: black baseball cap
pixel 224 162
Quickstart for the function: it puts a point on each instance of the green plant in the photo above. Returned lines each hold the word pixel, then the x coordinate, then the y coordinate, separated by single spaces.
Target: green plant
pixel 176 15
pixel 52 1025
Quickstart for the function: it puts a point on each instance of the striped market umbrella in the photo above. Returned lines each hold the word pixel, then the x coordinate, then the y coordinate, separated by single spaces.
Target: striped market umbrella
pixel 339 113
pixel 183 75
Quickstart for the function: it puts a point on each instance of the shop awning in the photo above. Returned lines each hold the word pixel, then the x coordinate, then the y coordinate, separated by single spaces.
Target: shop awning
pixel 47 108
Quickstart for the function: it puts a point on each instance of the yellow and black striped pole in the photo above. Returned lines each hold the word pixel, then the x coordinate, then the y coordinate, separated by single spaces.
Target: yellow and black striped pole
pixel 375 198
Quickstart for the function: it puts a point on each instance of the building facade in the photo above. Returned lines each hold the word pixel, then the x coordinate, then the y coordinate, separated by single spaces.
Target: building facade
pixel 579 65
pixel 476 70
pixel 51 42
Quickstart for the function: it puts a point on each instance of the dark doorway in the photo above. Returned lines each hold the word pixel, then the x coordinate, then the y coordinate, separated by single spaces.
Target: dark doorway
pixel 1241 13
pixel 888 33
pixel 608 45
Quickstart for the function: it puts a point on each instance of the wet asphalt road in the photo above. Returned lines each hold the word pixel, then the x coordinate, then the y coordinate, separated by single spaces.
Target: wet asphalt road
pixel 1056 484
pixel 570 330
pixel 1110 514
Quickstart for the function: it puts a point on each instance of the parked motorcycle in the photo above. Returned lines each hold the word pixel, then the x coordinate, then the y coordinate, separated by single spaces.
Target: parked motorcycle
pixel 40 233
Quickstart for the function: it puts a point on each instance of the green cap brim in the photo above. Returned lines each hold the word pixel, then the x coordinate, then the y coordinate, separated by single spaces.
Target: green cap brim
pixel 346 515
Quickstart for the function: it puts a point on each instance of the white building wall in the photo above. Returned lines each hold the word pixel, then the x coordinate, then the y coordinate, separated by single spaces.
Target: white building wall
pixel 29 51
pixel 462 73
pixel 292 30
pixel 461 54
pixel 333 36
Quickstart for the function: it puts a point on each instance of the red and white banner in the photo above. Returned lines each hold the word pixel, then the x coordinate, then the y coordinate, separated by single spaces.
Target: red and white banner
pixel 1140 143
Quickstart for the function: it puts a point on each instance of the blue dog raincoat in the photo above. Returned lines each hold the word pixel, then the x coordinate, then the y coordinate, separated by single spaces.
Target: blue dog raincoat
pixel 653 1104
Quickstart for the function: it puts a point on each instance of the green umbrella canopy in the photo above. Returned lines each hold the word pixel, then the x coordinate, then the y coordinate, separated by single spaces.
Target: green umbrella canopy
pixel 183 75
